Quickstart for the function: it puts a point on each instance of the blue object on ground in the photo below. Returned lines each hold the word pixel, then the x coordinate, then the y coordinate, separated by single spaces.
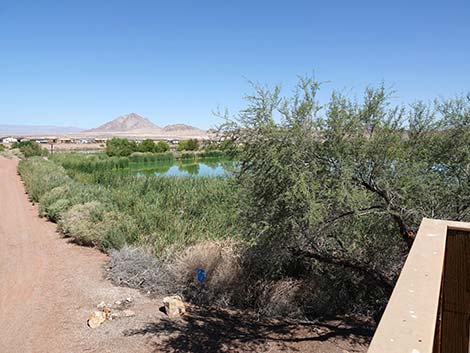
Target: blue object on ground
pixel 201 275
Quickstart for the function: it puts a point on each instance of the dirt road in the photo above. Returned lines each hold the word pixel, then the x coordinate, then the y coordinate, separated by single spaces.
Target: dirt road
pixel 48 287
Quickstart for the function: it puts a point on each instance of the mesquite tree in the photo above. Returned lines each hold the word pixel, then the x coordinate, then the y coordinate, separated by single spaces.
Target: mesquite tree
pixel 344 186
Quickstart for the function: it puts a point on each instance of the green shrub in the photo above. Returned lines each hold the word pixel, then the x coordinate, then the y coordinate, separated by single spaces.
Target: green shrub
pixel 188 155
pixel 81 222
pixel 146 146
pixel 40 176
pixel 56 209
pixel 162 147
pixel 120 147
pixel 212 154
pixel 188 145
pixel 139 157
pixel 50 197
pixel 30 148
pixel 118 230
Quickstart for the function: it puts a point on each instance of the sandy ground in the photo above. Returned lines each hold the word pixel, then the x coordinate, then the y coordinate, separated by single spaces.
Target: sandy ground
pixel 48 287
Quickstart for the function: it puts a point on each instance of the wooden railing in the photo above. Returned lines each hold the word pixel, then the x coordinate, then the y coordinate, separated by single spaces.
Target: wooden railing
pixel 429 310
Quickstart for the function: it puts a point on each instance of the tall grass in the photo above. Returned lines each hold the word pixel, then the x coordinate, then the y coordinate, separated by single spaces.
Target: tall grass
pixel 90 163
pixel 159 212
pixel 148 157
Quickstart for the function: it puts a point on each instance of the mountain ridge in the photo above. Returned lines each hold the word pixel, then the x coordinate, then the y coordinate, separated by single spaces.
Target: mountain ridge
pixel 130 125
pixel 126 123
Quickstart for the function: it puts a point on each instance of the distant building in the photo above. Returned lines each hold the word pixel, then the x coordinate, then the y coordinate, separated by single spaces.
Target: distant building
pixel 9 140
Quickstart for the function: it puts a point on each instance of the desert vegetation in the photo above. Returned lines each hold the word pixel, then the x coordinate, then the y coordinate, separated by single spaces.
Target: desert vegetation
pixel 123 147
pixel 317 220
pixel 30 148
pixel 188 145
pixel 120 209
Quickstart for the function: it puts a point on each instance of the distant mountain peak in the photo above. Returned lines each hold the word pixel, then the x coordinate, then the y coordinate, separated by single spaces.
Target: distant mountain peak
pixel 179 127
pixel 127 122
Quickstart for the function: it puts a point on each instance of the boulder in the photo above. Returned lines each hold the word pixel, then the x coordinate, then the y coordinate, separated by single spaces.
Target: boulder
pixel 174 306
pixel 96 318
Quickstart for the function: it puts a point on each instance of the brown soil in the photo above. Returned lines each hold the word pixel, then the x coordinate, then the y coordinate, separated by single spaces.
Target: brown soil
pixel 48 287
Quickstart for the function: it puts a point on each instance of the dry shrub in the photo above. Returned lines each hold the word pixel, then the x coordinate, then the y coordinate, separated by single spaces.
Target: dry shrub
pixel 222 263
pixel 175 272
pixel 283 298
pixel 137 267
pixel 230 280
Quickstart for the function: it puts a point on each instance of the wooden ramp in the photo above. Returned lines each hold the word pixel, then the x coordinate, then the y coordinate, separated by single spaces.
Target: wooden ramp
pixel 429 310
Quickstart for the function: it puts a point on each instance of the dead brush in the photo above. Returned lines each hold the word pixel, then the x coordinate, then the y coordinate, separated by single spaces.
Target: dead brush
pixel 222 264
pixel 282 298
pixel 137 267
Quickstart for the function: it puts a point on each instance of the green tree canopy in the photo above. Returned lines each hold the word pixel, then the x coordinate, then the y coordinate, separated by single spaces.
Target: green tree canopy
pixel 120 147
pixel 188 145
pixel 162 147
pixel 30 148
pixel 345 185
pixel 147 146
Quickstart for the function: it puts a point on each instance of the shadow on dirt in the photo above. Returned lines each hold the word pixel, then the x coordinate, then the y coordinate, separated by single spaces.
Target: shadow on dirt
pixel 220 331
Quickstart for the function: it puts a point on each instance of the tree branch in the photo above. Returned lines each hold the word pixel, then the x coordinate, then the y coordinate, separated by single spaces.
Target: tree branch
pixel 371 275
pixel 406 232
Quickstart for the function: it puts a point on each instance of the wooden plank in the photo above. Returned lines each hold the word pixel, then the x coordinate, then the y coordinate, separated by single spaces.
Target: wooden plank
pixel 409 321
pixel 413 319
pixel 456 294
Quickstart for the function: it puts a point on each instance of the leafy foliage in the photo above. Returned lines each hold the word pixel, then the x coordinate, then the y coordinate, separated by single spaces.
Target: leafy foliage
pixel 123 147
pixel 110 210
pixel 161 147
pixel 120 147
pixel 188 145
pixel 146 146
pixel 343 187
pixel 30 148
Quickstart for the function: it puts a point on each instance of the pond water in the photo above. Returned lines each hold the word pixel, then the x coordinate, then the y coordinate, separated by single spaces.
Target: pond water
pixel 200 168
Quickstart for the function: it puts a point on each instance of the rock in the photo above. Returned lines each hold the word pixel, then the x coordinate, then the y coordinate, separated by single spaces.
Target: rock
pixel 129 299
pixel 123 313
pixel 127 313
pixel 101 305
pixel 96 318
pixel 174 306
pixel 117 302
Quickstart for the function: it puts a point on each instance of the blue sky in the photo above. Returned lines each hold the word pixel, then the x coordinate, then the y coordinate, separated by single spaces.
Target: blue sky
pixel 84 62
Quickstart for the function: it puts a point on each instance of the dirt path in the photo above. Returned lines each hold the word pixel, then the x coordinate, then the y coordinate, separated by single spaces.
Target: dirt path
pixel 48 287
